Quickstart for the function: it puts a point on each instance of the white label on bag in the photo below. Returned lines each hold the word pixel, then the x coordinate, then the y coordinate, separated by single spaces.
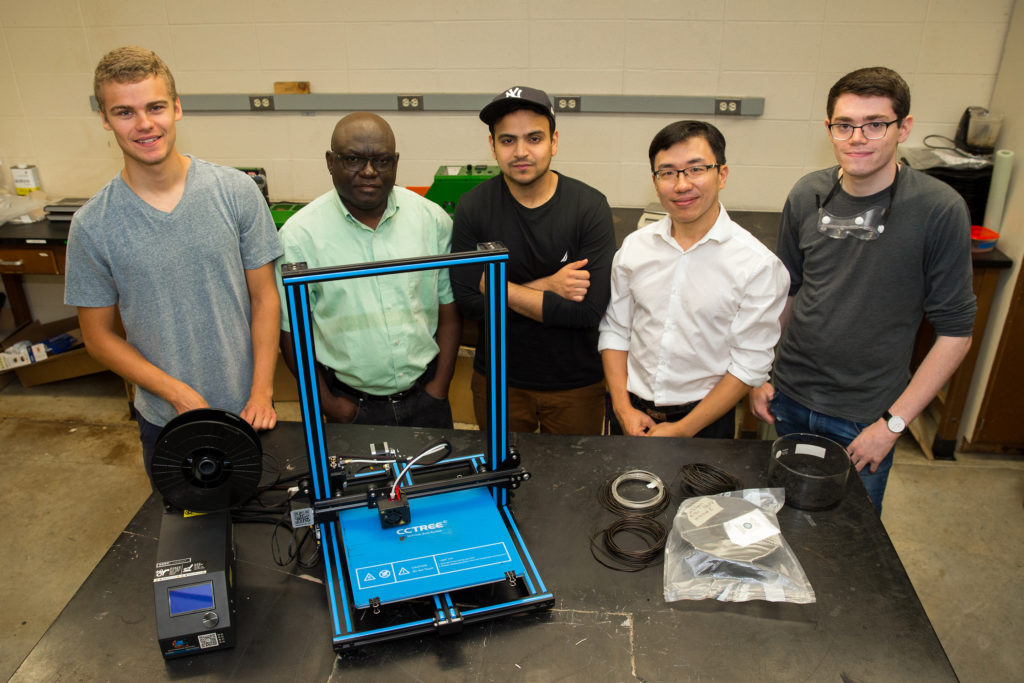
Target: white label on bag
pixel 749 528
pixel 701 510
pixel 773 593
pixel 808 449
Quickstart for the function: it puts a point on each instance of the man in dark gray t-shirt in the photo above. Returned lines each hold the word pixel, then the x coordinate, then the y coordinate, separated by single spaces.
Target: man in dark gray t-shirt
pixel 871 247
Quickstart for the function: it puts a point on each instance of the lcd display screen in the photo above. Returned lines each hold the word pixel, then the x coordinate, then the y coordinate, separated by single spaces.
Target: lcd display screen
pixel 192 598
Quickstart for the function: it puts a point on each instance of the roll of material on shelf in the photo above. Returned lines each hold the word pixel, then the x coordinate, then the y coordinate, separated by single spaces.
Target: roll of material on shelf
pixel 1001 170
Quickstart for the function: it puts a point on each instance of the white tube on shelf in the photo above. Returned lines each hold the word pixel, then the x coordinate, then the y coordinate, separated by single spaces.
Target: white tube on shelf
pixel 1001 170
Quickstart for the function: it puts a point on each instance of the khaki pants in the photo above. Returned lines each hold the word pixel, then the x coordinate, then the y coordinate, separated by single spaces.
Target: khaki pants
pixel 572 411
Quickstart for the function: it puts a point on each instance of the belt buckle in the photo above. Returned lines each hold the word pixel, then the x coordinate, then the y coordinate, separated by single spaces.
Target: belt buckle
pixel 656 414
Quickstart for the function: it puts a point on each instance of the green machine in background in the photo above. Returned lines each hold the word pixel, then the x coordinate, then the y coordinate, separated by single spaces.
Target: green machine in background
pixel 452 181
pixel 282 211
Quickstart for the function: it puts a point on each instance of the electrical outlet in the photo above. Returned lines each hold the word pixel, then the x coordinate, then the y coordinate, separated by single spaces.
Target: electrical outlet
pixel 261 103
pixel 728 107
pixel 410 103
pixel 568 103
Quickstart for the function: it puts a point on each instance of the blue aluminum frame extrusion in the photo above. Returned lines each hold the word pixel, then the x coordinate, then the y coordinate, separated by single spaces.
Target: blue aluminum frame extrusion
pixel 296 277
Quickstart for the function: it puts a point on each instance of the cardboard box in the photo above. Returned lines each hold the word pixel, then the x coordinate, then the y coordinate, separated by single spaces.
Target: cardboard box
pixel 74 363
pixel 460 395
pixel 285 386
pixel 6 378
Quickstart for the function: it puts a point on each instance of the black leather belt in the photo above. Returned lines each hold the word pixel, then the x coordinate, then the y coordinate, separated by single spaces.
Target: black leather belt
pixel 340 387
pixel 363 396
pixel 662 413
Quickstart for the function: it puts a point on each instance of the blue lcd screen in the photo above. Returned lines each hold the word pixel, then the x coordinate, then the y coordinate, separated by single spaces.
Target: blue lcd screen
pixel 185 599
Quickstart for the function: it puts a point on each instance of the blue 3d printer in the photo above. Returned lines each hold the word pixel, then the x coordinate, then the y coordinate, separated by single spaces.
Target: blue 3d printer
pixel 414 543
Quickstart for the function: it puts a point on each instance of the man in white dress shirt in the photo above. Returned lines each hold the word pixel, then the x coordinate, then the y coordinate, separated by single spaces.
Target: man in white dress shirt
pixel 695 303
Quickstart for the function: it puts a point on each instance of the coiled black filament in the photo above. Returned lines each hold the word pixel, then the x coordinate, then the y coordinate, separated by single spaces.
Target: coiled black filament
pixel 650 531
pixel 702 479
pixel 637 519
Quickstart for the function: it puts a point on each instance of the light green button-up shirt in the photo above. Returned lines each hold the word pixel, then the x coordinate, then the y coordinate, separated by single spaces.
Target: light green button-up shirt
pixel 377 333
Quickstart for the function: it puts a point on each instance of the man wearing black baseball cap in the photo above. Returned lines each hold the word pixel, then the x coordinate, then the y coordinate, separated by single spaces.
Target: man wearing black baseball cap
pixel 559 234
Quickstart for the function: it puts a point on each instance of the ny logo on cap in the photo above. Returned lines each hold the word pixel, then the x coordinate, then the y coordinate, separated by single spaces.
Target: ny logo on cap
pixel 514 92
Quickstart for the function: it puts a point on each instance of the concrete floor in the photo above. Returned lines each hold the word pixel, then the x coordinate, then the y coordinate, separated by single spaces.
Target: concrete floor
pixel 73 479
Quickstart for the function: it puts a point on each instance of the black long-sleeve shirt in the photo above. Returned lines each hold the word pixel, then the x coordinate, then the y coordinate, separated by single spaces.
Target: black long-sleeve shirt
pixel 576 223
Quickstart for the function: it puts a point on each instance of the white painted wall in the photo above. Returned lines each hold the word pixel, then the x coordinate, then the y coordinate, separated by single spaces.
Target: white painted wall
pixel 1008 100
pixel 788 51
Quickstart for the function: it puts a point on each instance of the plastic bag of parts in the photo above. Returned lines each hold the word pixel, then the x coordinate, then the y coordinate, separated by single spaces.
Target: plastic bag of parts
pixel 729 547
pixel 20 209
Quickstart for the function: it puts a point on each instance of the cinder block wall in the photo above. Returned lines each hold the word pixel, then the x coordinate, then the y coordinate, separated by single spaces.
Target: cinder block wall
pixel 788 51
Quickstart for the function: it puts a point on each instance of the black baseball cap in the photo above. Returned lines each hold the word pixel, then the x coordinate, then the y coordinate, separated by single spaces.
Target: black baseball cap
pixel 518 97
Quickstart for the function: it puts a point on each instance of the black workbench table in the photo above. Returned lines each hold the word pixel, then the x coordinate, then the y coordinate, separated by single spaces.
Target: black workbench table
pixel 867 623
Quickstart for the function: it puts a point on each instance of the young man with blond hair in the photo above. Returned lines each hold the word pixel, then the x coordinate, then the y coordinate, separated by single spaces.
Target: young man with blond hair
pixel 182 250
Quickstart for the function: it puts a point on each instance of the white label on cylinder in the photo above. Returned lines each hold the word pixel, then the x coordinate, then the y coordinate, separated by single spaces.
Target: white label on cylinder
pixel 808 449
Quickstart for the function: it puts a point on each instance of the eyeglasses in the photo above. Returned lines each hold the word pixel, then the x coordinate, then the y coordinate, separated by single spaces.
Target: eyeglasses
pixel 670 175
pixel 355 163
pixel 872 130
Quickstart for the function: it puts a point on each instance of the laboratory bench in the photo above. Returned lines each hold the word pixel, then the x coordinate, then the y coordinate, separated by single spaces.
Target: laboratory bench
pixel 867 623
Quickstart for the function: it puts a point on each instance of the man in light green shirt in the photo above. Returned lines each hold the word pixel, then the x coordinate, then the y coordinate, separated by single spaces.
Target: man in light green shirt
pixel 385 346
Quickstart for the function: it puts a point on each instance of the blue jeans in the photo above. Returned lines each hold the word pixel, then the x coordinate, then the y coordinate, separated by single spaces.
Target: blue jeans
pixel 419 409
pixel 148 435
pixel 791 417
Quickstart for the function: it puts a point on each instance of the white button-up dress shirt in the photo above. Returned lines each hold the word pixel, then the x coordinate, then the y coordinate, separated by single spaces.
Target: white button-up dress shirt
pixel 688 317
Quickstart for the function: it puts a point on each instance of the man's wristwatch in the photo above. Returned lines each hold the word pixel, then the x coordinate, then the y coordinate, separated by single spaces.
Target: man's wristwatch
pixel 895 423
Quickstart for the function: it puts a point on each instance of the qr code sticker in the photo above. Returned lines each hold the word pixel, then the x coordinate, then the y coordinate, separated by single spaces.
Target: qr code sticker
pixel 302 517
pixel 208 640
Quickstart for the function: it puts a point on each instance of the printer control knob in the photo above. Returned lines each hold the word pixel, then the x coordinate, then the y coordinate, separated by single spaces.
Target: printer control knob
pixel 210 619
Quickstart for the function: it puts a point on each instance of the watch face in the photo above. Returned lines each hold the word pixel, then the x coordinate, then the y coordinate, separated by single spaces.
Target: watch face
pixel 896 424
